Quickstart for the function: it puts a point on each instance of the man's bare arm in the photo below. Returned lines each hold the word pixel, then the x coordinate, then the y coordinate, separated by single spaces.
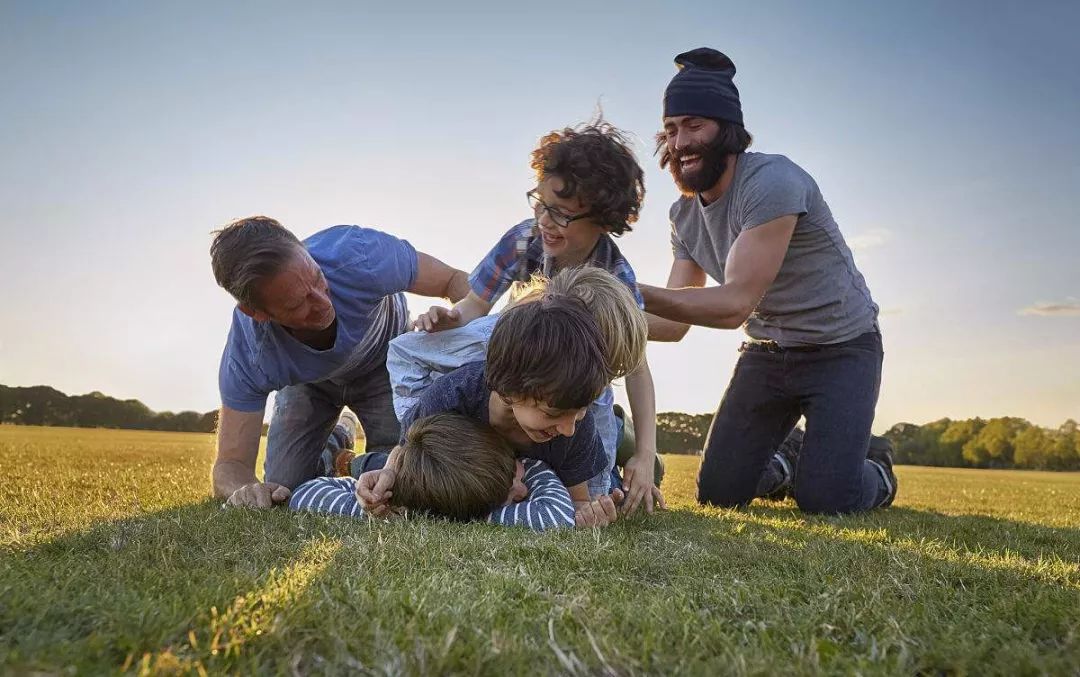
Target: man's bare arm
pixel 684 273
pixel 752 265
pixel 234 468
pixel 435 278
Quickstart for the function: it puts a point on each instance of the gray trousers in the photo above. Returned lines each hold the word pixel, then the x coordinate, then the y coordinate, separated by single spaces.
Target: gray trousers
pixel 304 417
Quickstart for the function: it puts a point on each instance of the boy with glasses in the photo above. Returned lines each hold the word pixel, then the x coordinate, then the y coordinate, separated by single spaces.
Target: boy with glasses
pixel 589 190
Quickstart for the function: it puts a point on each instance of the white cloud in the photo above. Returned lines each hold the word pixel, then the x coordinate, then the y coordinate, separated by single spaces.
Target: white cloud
pixel 1068 308
pixel 870 239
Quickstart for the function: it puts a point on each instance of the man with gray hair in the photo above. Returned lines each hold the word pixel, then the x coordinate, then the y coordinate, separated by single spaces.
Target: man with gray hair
pixel 312 321
pixel 758 224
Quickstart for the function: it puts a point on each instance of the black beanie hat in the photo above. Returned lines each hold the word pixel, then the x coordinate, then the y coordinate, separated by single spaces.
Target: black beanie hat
pixel 703 86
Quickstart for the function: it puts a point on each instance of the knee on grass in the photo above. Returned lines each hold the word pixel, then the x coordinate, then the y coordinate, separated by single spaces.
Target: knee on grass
pixel 824 500
pixel 724 496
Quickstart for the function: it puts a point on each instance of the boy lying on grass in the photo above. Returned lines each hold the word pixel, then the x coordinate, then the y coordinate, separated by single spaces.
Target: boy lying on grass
pixel 454 467
pixel 417 359
pixel 545 363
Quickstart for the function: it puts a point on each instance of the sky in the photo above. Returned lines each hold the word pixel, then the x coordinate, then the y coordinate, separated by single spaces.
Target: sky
pixel 944 137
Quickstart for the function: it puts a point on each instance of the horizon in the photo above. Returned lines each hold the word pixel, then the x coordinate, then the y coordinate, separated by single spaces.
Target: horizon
pixel 658 413
pixel 942 137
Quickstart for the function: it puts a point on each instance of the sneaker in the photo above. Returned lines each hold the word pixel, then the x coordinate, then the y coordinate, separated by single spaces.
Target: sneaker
pixel 780 472
pixel 346 428
pixel 881 455
pixel 339 452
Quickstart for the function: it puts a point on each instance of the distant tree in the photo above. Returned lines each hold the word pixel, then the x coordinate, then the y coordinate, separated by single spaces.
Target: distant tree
pixel 679 433
pixel 921 445
pixel 187 421
pixel 1065 451
pixel 41 405
pixel 208 422
pixel 950 450
pixel 907 443
pixel 1032 447
pixel 993 446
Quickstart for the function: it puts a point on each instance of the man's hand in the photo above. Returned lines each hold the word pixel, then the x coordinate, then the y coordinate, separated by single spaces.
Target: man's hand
pixel 639 476
pixel 374 489
pixel 259 495
pixel 599 512
pixel 438 319
pixel 237 449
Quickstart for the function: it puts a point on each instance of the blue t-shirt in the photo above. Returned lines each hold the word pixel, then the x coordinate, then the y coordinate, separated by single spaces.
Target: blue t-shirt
pixel 464 391
pixel 366 271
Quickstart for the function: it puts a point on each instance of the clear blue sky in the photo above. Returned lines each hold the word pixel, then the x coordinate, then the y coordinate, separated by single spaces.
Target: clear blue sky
pixel 944 136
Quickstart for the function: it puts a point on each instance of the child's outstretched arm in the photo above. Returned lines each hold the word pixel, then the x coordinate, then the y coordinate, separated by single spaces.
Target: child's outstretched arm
pixel 639 473
pixel 490 279
pixel 328 495
pixel 547 507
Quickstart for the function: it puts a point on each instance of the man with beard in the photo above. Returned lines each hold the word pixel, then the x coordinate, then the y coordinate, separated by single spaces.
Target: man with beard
pixel 759 224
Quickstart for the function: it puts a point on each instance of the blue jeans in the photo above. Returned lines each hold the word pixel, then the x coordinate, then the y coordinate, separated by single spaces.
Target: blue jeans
pixel 372 460
pixel 836 388
pixel 304 418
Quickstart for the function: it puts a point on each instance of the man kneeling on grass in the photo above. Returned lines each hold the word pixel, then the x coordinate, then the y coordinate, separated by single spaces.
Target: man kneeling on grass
pixel 454 467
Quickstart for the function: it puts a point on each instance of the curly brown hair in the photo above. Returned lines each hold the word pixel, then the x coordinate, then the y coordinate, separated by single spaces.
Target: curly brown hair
pixel 596 164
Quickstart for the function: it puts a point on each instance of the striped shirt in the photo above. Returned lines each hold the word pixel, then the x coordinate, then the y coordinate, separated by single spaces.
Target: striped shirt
pixel 520 253
pixel 547 507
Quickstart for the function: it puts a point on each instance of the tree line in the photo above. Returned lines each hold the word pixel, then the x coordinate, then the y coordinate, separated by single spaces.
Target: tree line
pixel 42 405
pixel 1006 442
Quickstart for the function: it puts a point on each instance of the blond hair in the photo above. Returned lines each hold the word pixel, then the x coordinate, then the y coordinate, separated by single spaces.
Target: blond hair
pixel 608 300
pixel 453 466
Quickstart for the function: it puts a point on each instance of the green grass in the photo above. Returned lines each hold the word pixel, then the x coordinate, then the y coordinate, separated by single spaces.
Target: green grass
pixel 112 559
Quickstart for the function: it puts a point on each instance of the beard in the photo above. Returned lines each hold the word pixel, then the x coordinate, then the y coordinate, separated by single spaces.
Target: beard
pixel 713 165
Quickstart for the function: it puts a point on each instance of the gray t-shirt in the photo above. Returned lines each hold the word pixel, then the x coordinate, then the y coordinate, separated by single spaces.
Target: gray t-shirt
pixel 819 296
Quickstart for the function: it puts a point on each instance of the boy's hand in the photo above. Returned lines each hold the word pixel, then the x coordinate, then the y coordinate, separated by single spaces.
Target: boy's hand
pixel 596 513
pixel 373 490
pixel 639 475
pixel 438 319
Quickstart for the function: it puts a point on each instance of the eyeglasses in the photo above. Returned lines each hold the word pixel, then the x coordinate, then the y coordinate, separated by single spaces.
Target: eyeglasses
pixel 558 218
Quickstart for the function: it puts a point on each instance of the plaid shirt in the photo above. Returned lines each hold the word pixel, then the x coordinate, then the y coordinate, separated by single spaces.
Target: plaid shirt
pixel 520 253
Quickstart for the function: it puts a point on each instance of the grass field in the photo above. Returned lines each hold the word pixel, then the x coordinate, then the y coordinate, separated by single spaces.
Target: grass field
pixel 112 559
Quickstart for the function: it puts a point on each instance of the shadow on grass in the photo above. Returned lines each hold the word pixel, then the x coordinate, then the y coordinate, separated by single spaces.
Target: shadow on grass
pixel 975 534
pixel 97 599
pixel 198 587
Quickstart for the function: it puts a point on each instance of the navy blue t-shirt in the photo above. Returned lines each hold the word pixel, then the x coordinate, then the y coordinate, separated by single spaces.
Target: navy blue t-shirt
pixel 574 459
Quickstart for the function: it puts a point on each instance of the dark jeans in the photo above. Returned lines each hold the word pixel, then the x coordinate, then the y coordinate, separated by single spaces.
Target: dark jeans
pixel 304 418
pixel 836 388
